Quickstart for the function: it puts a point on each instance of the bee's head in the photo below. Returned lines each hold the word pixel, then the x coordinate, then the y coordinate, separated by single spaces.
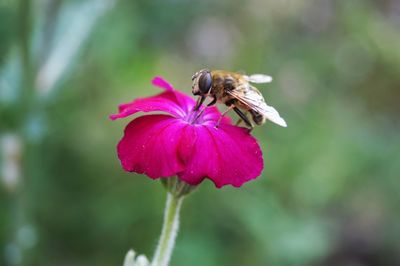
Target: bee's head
pixel 202 82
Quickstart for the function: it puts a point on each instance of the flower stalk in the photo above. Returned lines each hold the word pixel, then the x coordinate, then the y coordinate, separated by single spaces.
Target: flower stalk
pixel 169 230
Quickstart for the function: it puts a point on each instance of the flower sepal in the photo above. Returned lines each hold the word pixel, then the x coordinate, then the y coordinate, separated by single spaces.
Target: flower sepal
pixel 177 187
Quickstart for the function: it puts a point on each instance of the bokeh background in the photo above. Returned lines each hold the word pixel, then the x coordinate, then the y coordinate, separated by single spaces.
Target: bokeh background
pixel 329 193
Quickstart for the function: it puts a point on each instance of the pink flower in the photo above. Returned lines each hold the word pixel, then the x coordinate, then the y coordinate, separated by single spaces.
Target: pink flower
pixel 176 143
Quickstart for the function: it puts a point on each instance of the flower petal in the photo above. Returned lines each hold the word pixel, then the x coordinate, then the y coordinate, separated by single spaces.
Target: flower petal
pixel 162 83
pixel 212 115
pixel 150 146
pixel 227 155
pixel 168 102
pixel 171 101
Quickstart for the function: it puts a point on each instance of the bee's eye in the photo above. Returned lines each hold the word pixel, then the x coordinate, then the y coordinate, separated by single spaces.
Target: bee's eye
pixel 205 82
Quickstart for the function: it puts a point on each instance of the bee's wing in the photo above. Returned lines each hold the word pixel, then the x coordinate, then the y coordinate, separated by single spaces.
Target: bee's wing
pixel 252 98
pixel 258 78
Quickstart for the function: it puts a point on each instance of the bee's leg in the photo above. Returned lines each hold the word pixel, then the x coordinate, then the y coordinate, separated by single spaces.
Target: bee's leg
pixel 243 117
pixel 212 102
pixel 240 120
pixel 223 114
pixel 199 102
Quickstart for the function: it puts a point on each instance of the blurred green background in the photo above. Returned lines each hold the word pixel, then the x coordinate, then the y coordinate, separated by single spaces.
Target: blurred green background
pixel 329 193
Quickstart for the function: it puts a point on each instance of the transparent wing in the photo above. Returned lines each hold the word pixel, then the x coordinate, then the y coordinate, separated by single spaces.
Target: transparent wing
pixel 252 98
pixel 258 78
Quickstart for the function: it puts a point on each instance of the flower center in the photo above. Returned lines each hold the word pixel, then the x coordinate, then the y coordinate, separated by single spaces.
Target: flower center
pixel 195 117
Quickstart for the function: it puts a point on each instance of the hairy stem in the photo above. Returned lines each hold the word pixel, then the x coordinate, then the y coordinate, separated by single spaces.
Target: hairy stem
pixel 169 231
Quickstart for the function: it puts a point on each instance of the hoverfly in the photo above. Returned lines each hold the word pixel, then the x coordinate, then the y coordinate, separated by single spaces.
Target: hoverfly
pixel 235 91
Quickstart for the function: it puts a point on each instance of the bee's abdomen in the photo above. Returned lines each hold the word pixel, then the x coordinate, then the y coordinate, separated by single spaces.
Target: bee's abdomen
pixel 258 118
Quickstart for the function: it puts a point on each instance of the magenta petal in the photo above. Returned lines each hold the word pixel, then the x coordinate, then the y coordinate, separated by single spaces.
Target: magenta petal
pixel 227 155
pixel 172 102
pixel 211 116
pixel 183 100
pixel 150 146
pixel 162 83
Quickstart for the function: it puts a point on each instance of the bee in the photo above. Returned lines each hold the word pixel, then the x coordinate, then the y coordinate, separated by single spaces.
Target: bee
pixel 235 91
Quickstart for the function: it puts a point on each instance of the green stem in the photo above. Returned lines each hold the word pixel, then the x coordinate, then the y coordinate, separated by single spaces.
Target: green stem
pixel 169 231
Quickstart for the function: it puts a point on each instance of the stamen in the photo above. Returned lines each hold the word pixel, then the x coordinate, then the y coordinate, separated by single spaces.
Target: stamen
pixel 195 115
